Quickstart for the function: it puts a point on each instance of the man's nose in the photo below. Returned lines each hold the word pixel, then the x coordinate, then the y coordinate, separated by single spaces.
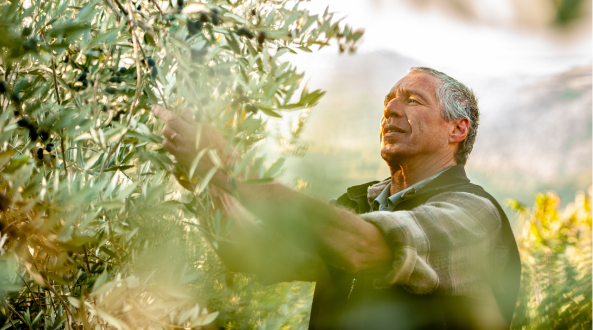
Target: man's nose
pixel 394 108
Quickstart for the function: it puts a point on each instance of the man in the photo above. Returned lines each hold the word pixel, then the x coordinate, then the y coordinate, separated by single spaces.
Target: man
pixel 424 249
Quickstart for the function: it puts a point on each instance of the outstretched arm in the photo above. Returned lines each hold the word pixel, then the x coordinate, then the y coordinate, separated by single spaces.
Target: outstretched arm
pixel 341 238
pixel 252 248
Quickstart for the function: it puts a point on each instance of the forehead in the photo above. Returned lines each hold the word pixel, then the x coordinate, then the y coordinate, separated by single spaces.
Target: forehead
pixel 419 83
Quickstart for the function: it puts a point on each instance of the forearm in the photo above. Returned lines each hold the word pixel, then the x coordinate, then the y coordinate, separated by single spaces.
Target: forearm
pixel 339 237
pixel 253 249
pixel 238 252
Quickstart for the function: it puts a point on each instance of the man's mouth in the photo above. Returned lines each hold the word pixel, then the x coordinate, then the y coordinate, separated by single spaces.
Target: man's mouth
pixel 392 131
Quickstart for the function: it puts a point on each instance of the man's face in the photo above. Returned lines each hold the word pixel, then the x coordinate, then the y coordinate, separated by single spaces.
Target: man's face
pixel 412 125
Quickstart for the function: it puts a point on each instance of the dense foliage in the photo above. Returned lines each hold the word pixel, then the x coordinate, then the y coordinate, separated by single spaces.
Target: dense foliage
pixel 94 231
pixel 556 255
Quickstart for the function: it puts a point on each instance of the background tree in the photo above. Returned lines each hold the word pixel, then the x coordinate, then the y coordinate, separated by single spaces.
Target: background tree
pixel 94 232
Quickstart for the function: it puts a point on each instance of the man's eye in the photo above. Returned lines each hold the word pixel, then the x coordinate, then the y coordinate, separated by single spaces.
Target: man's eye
pixel 413 101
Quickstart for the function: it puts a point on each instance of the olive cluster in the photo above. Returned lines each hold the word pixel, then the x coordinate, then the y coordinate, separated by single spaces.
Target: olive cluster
pixel 195 26
pixel 82 78
pixel 152 65
pixel 206 19
pixel 116 77
pixel 241 100
pixel 35 133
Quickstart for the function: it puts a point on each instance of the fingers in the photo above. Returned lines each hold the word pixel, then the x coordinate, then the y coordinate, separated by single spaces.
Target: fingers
pixel 171 134
pixel 187 116
pixel 170 118
pixel 182 124
pixel 163 113
pixel 169 146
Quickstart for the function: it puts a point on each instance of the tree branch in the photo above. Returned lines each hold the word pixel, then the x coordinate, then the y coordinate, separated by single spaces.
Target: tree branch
pixel 157 7
pixel 131 22
pixel 53 69
pixel 15 312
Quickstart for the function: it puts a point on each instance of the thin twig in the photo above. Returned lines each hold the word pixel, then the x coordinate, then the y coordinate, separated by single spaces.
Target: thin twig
pixel 32 294
pixel 9 319
pixel 131 23
pixel 38 293
pixel 140 24
pixel 146 29
pixel 146 63
pixel 96 83
pixel 86 257
pixel 15 312
pixel 121 7
pixel 53 69
pixel 63 153
pixel 157 7
pixel 51 300
pixel 72 94
pixel 50 288
pixel 88 267
pixel 112 238
pixel 87 148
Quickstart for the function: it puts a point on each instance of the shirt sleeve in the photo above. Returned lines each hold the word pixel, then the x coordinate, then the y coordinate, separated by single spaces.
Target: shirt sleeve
pixel 443 246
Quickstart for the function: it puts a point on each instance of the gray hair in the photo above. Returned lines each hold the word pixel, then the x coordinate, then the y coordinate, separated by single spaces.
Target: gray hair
pixel 457 101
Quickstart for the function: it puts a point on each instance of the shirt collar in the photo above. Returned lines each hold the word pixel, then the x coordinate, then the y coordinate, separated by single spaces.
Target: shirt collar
pixel 387 202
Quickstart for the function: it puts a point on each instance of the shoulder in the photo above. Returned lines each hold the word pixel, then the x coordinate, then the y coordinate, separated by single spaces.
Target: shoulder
pixel 466 200
pixel 355 198
pixel 463 204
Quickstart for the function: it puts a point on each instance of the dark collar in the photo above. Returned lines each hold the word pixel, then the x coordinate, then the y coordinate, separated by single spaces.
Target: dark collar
pixel 453 176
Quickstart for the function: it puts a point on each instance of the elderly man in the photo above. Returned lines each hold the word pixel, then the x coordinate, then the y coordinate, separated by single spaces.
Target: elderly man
pixel 424 249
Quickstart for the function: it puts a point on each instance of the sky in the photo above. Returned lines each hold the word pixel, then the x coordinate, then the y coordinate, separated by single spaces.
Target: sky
pixel 493 45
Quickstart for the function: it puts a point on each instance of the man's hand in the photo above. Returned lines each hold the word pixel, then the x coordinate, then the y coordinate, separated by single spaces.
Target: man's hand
pixel 180 134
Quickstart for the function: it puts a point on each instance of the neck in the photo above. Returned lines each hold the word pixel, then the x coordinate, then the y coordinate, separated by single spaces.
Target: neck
pixel 406 174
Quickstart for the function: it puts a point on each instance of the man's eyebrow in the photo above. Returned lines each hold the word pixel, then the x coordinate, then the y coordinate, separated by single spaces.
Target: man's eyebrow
pixel 416 93
pixel 407 92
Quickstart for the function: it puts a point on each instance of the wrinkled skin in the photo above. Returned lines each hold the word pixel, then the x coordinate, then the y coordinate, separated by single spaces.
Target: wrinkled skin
pixel 415 138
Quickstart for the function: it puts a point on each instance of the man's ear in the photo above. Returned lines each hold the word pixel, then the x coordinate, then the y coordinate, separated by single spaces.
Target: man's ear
pixel 459 131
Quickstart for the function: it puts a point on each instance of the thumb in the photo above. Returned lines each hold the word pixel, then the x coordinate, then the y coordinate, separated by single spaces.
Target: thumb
pixel 163 113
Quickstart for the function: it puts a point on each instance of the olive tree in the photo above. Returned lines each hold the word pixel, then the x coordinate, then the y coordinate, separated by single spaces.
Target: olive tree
pixel 94 231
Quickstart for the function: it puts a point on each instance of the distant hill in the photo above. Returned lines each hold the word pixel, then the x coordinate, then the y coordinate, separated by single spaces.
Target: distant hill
pixel 540 139
pixel 535 133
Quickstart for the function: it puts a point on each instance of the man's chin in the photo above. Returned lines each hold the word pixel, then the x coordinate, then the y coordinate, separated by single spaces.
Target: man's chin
pixel 391 154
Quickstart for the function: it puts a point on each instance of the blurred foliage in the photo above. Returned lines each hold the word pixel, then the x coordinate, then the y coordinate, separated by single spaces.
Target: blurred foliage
pixel 94 232
pixel 243 303
pixel 555 252
pixel 569 11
